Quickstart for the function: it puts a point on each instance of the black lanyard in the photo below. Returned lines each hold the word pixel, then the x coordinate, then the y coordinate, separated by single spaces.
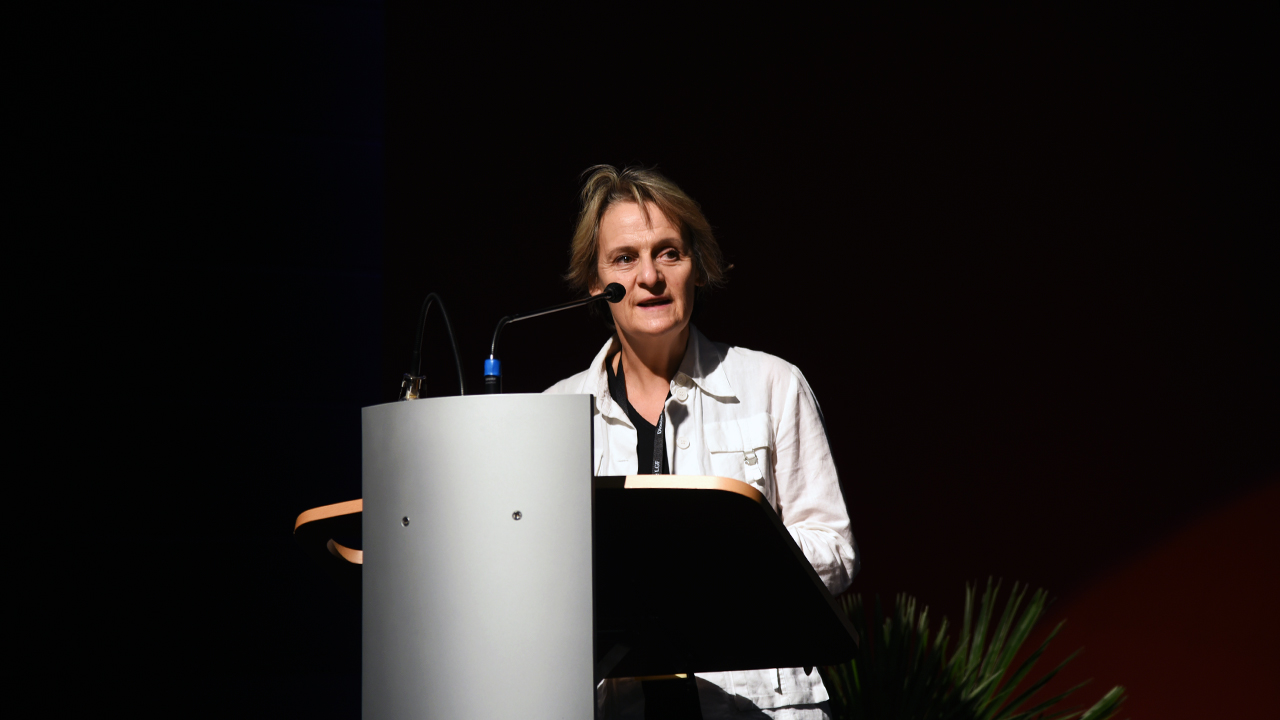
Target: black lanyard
pixel 653 463
pixel 659 448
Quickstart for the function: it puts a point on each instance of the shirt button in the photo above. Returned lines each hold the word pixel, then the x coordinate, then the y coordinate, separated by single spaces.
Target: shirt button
pixel 683 443
pixel 682 394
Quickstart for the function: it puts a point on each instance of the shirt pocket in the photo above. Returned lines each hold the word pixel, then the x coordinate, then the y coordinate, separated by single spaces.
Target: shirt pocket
pixel 741 449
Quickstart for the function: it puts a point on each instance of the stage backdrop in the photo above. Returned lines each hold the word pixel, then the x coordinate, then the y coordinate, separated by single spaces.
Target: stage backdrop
pixel 1019 257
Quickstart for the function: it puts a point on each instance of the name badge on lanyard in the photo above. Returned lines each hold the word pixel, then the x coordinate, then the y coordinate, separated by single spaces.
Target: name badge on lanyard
pixel 657 444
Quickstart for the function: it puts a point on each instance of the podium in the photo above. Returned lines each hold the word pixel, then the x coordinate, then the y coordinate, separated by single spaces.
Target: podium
pixel 500 579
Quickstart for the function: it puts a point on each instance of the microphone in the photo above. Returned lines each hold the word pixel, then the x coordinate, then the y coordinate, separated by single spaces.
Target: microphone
pixel 613 292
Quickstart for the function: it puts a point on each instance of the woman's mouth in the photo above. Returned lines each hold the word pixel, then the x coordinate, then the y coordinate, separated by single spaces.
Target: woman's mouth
pixel 654 302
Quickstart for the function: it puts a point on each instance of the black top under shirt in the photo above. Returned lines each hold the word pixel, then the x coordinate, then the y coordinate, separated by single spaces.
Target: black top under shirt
pixel 651 441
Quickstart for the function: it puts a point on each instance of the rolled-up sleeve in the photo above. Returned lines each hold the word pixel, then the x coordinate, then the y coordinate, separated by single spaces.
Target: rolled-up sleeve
pixel 810 502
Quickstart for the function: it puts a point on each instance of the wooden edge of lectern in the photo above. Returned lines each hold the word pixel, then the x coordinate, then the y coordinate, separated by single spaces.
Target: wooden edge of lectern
pixel 327 512
pixel 688 482
pixel 632 482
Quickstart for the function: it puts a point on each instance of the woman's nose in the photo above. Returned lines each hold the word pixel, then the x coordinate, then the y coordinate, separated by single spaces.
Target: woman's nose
pixel 648 272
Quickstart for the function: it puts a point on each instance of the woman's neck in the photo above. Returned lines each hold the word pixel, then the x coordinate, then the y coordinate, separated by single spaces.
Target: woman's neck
pixel 648 366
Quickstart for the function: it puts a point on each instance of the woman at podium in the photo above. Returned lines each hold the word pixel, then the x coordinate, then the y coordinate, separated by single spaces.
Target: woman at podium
pixel 671 401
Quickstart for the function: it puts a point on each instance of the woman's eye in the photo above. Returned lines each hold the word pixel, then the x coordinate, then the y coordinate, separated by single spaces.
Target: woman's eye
pixel 623 259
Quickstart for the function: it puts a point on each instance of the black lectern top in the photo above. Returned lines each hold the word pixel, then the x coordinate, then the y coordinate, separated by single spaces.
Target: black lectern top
pixel 698 574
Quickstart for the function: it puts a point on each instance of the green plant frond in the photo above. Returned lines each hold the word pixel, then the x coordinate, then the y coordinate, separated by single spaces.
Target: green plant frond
pixel 927 690
pixel 1107 707
pixel 903 668
pixel 1024 669
pixel 1049 703
pixel 1009 709
pixel 920 641
pixel 970 663
pixel 1102 704
pixel 878 616
pixel 977 691
pixel 1022 629
pixel 836 685
pixel 966 632
pixel 903 615
pixel 978 644
pixel 996 659
pixel 1000 633
pixel 941 639
pixel 988 610
pixel 922 626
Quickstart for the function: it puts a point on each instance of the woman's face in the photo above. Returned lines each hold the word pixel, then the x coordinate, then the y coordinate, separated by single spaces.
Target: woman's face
pixel 650 260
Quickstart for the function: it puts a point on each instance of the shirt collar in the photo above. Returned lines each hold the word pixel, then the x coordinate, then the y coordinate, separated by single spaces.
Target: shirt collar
pixel 703 364
pixel 604 399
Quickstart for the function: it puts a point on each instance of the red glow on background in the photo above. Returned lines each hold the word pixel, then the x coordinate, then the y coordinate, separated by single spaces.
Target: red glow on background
pixel 1190 628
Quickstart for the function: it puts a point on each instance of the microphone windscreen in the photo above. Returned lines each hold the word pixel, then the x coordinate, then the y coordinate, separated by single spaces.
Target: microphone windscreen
pixel 614 292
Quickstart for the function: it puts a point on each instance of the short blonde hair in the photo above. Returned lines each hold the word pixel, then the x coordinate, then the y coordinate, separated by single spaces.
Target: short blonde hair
pixel 604 186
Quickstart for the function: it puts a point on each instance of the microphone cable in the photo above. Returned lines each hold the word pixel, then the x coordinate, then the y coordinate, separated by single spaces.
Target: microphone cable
pixel 411 386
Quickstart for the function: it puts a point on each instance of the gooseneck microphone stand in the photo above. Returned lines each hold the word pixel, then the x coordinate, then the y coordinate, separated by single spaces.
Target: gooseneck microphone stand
pixel 493 367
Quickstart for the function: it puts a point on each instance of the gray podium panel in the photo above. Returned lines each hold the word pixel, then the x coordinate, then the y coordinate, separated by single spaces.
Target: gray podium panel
pixel 468 612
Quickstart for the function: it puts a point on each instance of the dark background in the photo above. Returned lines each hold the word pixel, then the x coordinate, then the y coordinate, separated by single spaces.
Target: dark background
pixel 1021 256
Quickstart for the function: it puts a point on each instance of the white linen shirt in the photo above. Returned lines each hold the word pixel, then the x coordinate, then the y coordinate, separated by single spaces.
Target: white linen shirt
pixel 749 416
